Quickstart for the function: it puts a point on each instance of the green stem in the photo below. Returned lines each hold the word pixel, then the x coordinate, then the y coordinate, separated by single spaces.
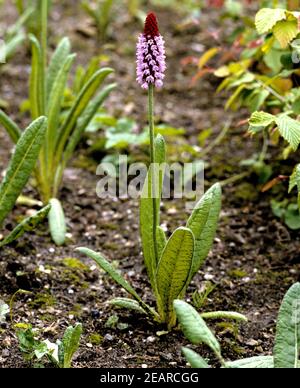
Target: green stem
pixel 152 166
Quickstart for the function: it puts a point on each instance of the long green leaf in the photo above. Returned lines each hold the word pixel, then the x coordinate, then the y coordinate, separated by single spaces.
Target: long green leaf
pixel 27 225
pixel 225 315
pixel 11 127
pixel 36 89
pixel 79 106
pixel 21 165
pixel 54 109
pixel 161 240
pixel 128 304
pixel 194 327
pixel 260 362
pixel 57 222
pixel 203 223
pixel 194 359
pixel 85 119
pixel 287 340
pixel 115 275
pixel 59 57
pixel 173 271
pixel 146 210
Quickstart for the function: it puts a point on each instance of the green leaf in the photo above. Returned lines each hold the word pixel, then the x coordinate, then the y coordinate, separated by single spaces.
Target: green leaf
pixel 80 104
pixel 128 304
pixel 21 165
pixel 115 275
pixel 266 19
pixel 54 108
pixel 292 216
pixel 194 328
pixel 287 340
pixel 58 59
pixel 295 182
pixel 146 209
pixel 70 344
pixel 261 119
pixel 26 225
pixel 36 88
pixel 57 222
pixel 194 359
pixel 85 120
pixel 260 362
pixel 203 223
pixel 285 31
pixel 225 315
pixel 161 240
pixel 11 127
pixel 289 130
pixel 174 270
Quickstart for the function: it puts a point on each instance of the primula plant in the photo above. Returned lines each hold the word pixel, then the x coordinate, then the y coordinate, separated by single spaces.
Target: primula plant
pixel 65 127
pixel 171 264
pixel 287 339
pixel 17 174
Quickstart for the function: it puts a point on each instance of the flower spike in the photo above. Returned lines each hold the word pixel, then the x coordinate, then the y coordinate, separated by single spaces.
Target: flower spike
pixel 150 54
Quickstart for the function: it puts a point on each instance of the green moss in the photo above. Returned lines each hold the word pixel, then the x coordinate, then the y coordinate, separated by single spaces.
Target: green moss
pixel 74 263
pixel 246 192
pixel 237 273
pixel 76 311
pixel 42 300
pixel 95 339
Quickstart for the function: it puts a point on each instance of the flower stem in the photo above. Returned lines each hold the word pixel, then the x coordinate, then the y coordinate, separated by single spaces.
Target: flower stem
pixel 153 167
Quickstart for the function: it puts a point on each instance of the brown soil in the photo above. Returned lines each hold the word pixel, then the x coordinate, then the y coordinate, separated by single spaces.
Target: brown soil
pixel 254 260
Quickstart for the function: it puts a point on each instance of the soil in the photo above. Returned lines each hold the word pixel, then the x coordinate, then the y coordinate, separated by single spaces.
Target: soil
pixel 254 260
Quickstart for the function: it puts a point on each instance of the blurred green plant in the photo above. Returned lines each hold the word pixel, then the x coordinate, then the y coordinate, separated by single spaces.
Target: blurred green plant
pixel 18 172
pixel 287 339
pixel 101 12
pixel 65 128
pixel 264 80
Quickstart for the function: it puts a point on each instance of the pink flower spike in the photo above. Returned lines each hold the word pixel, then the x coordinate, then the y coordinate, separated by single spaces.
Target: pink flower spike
pixel 150 55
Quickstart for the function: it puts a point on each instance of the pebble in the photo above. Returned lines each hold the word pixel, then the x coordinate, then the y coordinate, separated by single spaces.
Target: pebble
pixel 144 366
pixel 208 276
pixel 108 337
pixel 51 250
pixel 151 339
pixel 89 345
pixel 5 353
pixel 95 314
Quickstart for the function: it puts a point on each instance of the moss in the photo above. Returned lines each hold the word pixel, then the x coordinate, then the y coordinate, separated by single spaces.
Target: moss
pixel 95 339
pixel 237 273
pixel 42 300
pixel 74 263
pixel 246 192
pixel 46 318
pixel 111 246
pixel 76 311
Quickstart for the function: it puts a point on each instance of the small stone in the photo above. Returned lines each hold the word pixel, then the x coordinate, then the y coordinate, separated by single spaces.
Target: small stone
pixel 208 276
pixel 151 339
pixel 144 366
pixel 51 250
pixel 252 342
pixel 5 353
pixel 108 337
pixel 95 314
pixel 89 345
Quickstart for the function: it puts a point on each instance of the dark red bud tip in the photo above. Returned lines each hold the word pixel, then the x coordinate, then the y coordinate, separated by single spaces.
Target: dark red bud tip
pixel 151 25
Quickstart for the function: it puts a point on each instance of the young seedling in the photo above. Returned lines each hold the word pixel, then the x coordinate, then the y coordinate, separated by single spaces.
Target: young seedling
pixel 172 264
pixel 60 353
pixel 18 172
pixel 287 340
pixel 65 128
